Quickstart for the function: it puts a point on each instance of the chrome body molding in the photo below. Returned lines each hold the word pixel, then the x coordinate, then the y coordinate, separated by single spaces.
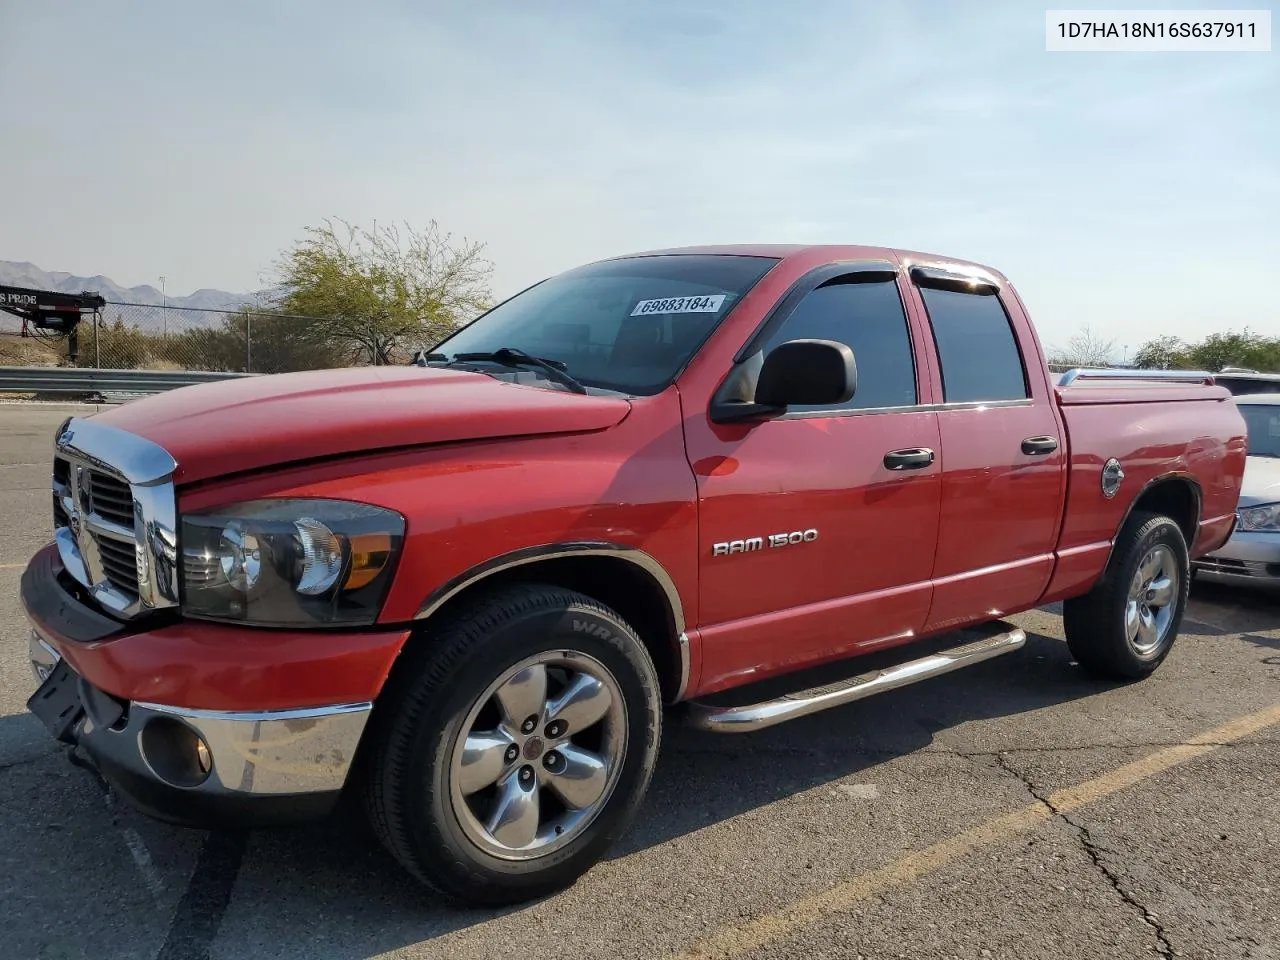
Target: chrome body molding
pixel 125 556
pixel 257 716
pixel 585 548
pixel 682 686
pixel 261 753
pixel 1112 373
pixel 768 713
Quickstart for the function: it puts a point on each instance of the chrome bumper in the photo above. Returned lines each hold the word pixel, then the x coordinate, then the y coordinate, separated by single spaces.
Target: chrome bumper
pixel 282 755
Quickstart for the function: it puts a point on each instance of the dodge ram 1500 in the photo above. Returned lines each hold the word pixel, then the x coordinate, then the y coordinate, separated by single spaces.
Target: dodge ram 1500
pixel 469 590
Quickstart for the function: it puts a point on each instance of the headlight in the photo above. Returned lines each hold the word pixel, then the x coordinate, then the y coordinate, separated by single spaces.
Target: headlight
pixel 1261 519
pixel 289 563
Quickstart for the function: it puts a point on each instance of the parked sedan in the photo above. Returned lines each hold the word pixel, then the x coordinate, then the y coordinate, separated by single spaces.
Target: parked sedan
pixel 1252 555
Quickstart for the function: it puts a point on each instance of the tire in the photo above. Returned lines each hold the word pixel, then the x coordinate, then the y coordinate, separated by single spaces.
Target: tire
pixel 1101 635
pixel 425 803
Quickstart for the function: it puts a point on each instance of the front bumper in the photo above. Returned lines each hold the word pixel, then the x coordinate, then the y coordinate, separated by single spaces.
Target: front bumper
pixel 1246 557
pixel 203 725
pixel 202 768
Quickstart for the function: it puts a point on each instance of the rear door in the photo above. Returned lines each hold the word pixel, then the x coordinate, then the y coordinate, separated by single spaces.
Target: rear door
pixel 1004 454
pixel 815 539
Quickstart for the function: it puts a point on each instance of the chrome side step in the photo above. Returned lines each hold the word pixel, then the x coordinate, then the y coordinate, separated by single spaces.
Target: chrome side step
pixel 767 713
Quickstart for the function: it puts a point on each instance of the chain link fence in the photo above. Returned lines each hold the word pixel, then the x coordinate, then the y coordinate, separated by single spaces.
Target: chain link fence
pixel 137 336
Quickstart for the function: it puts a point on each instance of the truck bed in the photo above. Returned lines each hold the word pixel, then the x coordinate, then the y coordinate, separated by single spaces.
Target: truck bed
pixel 1198 472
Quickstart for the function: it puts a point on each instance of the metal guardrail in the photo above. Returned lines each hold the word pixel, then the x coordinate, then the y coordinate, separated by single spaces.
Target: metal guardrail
pixel 110 385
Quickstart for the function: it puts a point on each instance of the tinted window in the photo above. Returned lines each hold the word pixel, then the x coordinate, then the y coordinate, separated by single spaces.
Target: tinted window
pixel 976 345
pixel 868 317
pixel 1245 384
pixel 1263 424
pixel 629 324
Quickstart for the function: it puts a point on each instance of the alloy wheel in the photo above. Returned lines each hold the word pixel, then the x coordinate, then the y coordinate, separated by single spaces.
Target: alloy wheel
pixel 1152 601
pixel 538 755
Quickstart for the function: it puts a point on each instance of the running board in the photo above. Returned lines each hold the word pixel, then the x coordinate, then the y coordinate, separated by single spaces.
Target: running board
pixel 767 713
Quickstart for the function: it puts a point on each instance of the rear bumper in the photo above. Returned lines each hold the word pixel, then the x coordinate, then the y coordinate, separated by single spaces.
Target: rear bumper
pixel 200 724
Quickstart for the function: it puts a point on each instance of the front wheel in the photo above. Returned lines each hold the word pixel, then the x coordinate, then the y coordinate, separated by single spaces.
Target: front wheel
pixel 515 745
pixel 1124 628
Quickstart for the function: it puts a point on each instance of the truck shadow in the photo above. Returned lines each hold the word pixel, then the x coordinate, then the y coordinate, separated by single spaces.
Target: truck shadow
pixel 337 870
pixel 1243 611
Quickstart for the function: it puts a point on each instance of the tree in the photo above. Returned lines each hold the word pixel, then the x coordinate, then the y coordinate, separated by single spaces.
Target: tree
pixel 1162 353
pixel 1245 349
pixel 1085 349
pixel 1217 350
pixel 376 298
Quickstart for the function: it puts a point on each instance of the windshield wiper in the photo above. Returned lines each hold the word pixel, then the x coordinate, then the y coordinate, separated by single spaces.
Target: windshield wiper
pixel 515 357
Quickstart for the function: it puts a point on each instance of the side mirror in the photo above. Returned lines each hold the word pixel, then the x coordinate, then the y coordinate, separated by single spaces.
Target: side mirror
pixel 807 372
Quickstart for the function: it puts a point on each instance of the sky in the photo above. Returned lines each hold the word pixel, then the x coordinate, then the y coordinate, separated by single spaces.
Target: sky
pixel 1137 193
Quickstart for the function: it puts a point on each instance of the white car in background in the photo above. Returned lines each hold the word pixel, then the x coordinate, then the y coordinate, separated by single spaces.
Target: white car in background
pixel 1252 555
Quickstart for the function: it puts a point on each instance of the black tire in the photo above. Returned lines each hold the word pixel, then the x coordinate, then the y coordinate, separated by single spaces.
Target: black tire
pixel 424 710
pixel 1095 624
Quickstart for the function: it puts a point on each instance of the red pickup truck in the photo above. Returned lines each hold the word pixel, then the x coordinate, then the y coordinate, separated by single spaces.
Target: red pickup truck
pixel 467 590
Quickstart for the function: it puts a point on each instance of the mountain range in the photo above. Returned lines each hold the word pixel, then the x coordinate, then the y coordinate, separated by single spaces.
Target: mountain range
pixel 16 273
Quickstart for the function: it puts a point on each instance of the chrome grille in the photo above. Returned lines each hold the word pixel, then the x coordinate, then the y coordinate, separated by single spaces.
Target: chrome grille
pixel 120 564
pixel 114 516
pixel 96 510
pixel 111 498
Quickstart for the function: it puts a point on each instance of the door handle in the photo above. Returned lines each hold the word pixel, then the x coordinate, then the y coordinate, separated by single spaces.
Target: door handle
pixel 1039 446
pixel 915 458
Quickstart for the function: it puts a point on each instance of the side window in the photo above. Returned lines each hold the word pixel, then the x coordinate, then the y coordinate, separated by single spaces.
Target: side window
pixel 869 318
pixel 976 346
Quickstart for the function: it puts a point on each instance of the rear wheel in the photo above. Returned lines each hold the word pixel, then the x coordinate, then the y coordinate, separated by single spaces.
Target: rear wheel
pixel 515 746
pixel 1124 628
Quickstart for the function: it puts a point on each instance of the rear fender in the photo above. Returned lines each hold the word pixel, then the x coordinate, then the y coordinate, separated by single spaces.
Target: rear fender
pixel 1190 525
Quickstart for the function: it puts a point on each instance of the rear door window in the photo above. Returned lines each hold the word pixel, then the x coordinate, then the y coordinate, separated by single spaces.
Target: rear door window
pixel 976 347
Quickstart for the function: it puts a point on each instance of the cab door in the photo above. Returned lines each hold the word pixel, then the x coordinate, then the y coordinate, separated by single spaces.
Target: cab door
pixel 817 528
pixel 1004 452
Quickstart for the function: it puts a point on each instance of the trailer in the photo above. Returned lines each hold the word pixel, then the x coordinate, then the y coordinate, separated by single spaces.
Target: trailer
pixel 50 313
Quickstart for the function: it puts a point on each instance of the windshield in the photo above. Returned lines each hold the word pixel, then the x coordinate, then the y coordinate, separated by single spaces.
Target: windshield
pixel 1263 423
pixel 627 325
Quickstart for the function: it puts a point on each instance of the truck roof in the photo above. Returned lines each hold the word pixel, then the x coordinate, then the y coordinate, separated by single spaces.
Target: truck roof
pixel 831 251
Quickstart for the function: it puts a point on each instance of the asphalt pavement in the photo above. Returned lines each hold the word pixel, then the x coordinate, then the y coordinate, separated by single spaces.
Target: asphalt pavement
pixel 1010 810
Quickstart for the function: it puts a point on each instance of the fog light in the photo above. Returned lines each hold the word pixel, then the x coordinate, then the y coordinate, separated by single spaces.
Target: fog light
pixel 175 752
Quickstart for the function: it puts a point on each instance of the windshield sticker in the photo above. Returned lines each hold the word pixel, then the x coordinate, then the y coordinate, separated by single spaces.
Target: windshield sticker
pixel 708 304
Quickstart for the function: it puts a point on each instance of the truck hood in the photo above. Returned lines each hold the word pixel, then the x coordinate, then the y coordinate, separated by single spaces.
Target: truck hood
pixel 247 423
pixel 1261 481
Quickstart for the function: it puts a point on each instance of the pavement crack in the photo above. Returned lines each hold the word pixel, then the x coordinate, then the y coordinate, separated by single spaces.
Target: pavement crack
pixel 1094 851
pixel 23 761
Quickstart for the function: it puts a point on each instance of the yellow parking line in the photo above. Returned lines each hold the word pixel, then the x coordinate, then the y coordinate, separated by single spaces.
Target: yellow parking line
pixel 11 566
pixel 735 941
